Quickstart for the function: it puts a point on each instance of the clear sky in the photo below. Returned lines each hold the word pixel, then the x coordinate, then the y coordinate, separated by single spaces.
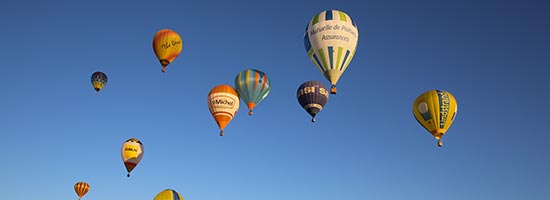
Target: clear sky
pixel 493 56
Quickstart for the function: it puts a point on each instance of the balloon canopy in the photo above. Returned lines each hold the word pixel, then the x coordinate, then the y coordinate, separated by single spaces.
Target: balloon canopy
pixel 330 40
pixel 223 103
pixel 435 110
pixel 312 96
pixel 99 80
pixel 253 86
pixel 81 188
pixel 167 45
pixel 132 153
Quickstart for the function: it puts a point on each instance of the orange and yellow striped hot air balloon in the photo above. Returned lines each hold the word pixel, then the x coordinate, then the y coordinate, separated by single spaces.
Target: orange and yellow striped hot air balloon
pixel 81 188
pixel 167 45
pixel 223 103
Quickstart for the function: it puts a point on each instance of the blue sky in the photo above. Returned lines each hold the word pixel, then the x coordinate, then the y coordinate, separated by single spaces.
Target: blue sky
pixel 493 56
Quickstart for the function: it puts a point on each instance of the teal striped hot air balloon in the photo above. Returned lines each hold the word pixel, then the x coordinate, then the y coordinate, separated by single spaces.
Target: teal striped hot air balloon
pixel 330 40
pixel 253 86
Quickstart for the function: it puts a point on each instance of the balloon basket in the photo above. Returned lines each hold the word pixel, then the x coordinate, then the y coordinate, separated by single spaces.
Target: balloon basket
pixel 333 89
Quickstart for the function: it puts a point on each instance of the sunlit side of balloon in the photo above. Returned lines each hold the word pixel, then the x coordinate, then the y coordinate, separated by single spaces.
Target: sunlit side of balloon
pixel 132 153
pixel 81 188
pixel 435 110
pixel 330 40
pixel 253 86
pixel 167 45
pixel 223 103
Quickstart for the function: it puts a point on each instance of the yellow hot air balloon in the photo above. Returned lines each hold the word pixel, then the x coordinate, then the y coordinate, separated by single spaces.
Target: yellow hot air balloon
pixel 81 188
pixel 132 152
pixel 435 110
pixel 223 103
pixel 168 194
pixel 167 45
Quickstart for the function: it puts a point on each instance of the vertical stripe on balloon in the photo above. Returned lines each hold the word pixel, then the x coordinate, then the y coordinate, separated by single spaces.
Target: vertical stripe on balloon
pixel 175 195
pixel 350 59
pixel 318 63
pixel 256 78
pixel 342 16
pixel 240 83
pixel 331 56
pixel 307 43
pixel 339 57
pixel 328 15
pixel 323 59
pixel 246 78
pixel 315 19
pixel 264 82
pixel 345 60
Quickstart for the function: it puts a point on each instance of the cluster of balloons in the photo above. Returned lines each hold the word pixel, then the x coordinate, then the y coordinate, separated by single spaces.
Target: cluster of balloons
pixel 252 86
pixel 132 152
pixel 167 45
pixel 330 40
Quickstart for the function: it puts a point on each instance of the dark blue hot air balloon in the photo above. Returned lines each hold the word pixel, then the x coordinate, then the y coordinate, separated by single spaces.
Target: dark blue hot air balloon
pixel 99 80
pixel 312 96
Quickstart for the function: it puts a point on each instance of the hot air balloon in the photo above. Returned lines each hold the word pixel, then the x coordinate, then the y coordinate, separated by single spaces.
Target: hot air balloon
pixel 81 188
pixel 312 96
pixel 330 40
pixel 253 86
pixel 223 103
pixel 168 194
pixel 167 45
pixel 99 80
pixel 132 152
pixel 435 110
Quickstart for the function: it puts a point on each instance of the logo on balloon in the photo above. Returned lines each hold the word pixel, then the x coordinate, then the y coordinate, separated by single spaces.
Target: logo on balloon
pixel 444 103
pixel 222 101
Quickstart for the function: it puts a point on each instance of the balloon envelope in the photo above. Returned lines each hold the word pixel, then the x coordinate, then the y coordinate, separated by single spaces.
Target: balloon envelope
pixel 435 110
pixel 312 96
pixel 81 188
pixel 168 194
pixel 330 40
pixel 99 80
pixel 167 45
pixel 132 152
pixel 253 86
pixel 223 103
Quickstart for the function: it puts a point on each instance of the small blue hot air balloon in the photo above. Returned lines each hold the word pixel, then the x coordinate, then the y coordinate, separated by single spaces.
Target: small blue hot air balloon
pixel 253 86
pixel 312 96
